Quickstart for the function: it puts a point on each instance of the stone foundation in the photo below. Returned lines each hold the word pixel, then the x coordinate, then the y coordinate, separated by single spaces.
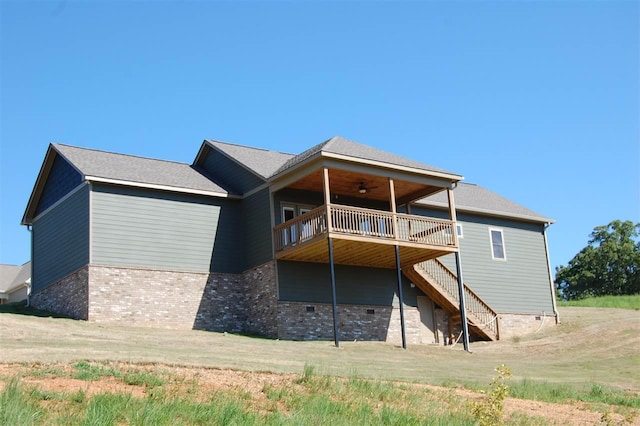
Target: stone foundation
pixel 145 297
pixel 261 300
pixel 236 303
pixel 68 296
pixel 241 303
pixel 514 325
pixel 314 321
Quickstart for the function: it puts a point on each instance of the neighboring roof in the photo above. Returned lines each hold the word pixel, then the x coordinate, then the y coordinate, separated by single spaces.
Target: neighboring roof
pixel 475 198
pixel 341 146
pixel 7 274
pixel 104 165
pixel 262 162
pixel 13 276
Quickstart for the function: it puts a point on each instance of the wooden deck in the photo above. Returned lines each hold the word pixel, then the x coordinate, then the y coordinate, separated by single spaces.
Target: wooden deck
pixel 363 237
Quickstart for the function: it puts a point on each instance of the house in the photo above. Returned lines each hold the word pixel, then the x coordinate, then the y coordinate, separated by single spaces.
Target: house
pixel 342 241
pixel 15 283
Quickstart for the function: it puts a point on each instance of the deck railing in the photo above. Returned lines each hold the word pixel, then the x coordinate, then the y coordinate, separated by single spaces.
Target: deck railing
pixel 370 223
pixel 448 282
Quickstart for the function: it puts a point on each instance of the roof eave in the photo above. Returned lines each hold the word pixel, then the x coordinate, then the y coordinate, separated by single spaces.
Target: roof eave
pixel 38 187
pixel 377 164
pixel 492 213
pixel 194 191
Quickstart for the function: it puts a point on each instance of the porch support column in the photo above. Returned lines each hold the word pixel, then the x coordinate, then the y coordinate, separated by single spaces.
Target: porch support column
pixel 334 299
pixel 463 311
pixel 333 294
pixel 392 201
pixel 327 196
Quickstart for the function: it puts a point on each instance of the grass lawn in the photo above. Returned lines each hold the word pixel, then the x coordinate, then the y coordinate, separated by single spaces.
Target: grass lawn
pixel 619 302
pixel 61 371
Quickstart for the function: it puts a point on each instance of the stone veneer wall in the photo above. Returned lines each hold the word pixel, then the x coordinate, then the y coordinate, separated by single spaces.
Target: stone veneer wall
pixel 181 300
pixel 261 300
pixel 512 325
pixel 238 303
pixel 67 296
pixel 296 322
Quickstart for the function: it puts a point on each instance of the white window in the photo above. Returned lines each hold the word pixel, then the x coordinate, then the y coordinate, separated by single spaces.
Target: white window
pixel 497 244
pixel 458 230
pixel 293 234
pixel 288 213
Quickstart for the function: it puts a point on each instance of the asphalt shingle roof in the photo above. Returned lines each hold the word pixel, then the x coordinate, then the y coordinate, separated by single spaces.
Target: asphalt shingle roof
pixel 266 164
pixel 342 146
pixel 263 162
pixel 129 168
pixel 475 198
pixel 8 274
pixel 11 276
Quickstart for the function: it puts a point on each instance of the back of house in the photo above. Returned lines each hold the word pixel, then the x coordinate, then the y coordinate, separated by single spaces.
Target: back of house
pixel 341 241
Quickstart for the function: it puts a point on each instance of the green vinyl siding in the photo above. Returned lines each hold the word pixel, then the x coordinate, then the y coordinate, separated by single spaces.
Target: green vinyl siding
pixel 519 284
pixel 60 240
pixel 62 179
pixel 256 222
pixel 145 228
pixel 227 173
pixel 358 285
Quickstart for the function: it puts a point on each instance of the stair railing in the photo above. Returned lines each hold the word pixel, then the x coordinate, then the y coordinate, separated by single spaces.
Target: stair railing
pixel 483 315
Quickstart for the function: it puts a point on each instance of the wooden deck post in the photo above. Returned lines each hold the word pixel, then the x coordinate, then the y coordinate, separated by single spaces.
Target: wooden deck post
pixel 452 216
pixel 392 202
pixel 327 196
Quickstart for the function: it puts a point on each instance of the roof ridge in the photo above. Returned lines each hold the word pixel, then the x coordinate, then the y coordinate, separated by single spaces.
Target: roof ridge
pixel 120 154
pixel 303 155
pixel 248 147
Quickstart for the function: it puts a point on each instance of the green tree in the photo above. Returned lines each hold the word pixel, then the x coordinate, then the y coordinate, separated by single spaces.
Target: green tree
pixel 608 265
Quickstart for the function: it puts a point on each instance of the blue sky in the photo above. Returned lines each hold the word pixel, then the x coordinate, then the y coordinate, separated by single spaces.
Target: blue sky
pixel 537 101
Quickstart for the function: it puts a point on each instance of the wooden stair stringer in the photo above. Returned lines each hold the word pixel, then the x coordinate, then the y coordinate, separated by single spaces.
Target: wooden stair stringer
pixel 449 302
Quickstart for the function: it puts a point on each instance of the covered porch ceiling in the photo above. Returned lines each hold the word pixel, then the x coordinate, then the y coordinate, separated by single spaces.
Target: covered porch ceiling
pixel 363 181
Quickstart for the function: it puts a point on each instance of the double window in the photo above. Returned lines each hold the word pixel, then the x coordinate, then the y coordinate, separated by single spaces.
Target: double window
pixel 295 233
pixel 497 244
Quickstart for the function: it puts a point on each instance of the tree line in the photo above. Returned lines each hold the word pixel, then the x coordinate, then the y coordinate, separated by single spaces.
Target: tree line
pixel 608 265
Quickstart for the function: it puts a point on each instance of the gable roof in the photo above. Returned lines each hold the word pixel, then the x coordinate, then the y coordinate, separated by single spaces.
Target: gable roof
pixel 262 162
pixel 13 276
pixel 7 274
pixel 108 166
pixel 356 151
pixel 476 199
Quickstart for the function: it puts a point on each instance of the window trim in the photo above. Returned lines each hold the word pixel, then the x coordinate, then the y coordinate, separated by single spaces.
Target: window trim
pixel 491 245
pixel 459 231
pixel 293 235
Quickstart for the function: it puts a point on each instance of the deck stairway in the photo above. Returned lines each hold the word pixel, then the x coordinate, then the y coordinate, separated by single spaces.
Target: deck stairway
pixel 441 285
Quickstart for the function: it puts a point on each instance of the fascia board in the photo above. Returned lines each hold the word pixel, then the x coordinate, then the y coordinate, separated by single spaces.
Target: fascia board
pixel 364 166
pixel 488 212
pixel 161 187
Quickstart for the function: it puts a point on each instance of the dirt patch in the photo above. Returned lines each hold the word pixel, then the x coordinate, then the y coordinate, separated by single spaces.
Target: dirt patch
pixel 201 383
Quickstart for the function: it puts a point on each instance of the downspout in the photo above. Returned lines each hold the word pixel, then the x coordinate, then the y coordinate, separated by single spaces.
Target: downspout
pixel 551 284
pixel 30 229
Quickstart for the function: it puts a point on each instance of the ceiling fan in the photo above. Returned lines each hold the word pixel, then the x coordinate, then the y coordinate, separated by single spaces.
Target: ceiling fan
pixel 363 188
